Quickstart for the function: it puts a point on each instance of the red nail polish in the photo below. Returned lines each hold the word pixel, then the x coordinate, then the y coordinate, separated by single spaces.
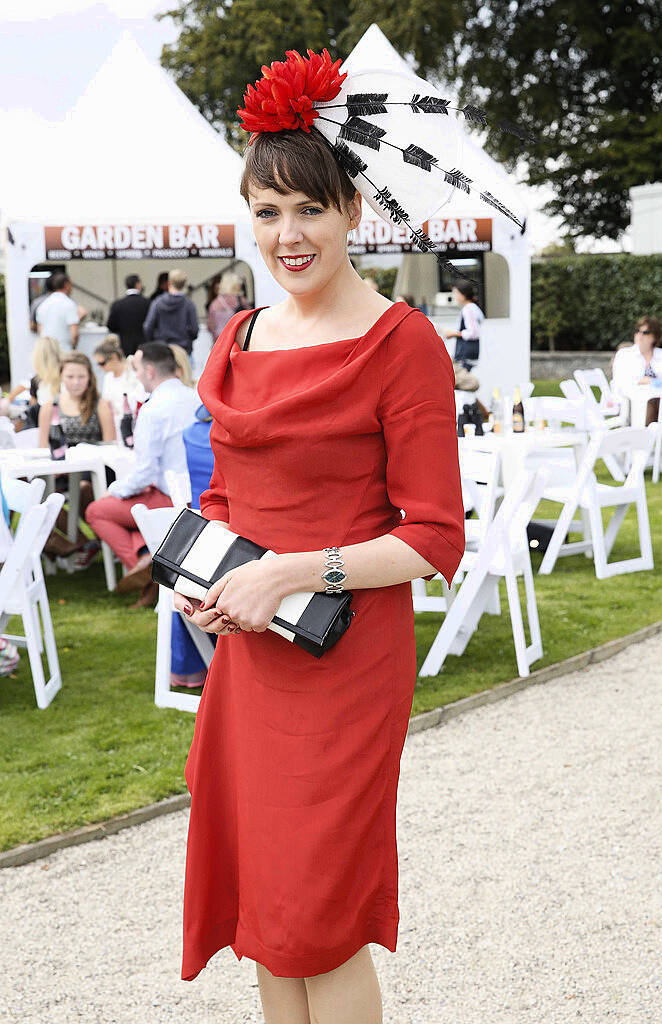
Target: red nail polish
pixel 202 606
pixel 188 609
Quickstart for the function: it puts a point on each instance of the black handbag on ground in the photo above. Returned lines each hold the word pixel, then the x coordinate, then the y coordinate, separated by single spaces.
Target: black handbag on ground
pixel 197 552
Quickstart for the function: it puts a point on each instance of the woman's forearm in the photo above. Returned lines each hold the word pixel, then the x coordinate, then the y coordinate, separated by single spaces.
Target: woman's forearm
pixel 382 562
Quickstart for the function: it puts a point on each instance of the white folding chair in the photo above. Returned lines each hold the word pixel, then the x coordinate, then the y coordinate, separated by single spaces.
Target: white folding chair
pixel 27 438
pixel 479 472
pixel 504 552
pixel 611 405
pixel 657 446
pixel 23 592
pixel 7 434
pixel 179 487
pixel 595 419
pixel 586 493
pixel 153 524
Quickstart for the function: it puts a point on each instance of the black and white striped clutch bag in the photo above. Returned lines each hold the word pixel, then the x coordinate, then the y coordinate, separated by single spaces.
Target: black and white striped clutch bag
pixel 194 545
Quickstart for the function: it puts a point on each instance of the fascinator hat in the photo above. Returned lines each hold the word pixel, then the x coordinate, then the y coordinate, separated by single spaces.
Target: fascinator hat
pixel 401 143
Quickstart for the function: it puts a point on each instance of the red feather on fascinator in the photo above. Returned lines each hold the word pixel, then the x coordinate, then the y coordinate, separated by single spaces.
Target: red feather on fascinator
pixel 283 98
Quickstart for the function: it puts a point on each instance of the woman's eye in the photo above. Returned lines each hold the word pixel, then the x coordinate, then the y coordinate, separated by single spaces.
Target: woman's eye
pixel 312 209
pixel 264 213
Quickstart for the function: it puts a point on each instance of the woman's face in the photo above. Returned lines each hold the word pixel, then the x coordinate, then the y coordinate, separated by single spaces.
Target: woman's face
pixel 109 364
pixel 75 379
pixel 303 243
pixel 643 336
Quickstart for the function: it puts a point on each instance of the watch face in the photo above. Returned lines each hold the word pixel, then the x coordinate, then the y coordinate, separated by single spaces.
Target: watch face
pixel 334 575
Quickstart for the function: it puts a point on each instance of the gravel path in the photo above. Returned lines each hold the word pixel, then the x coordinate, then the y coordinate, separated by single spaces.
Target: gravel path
pixel 529 837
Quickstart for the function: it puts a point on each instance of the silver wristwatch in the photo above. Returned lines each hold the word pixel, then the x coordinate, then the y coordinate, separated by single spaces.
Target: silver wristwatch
pixel 334 574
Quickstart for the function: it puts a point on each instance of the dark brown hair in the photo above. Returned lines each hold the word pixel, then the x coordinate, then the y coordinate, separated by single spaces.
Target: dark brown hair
pixel 465 288
pixel 296 161
pixel 159 355
pixel 653 325
pixel 90 397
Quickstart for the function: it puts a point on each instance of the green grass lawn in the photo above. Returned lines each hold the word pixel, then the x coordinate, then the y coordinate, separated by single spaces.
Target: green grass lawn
pixel 103 747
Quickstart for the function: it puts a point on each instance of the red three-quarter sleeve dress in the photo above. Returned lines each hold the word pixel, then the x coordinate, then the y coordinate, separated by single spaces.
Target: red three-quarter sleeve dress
pixel 294 765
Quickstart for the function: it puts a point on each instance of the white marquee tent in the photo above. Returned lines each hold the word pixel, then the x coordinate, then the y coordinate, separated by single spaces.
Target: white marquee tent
pixel 135 151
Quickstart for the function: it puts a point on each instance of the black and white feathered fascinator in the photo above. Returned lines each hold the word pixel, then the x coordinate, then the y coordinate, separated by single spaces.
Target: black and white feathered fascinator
pixel 402 144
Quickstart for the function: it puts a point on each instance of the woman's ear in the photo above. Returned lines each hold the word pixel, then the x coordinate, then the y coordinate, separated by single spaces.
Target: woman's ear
pixel 354 209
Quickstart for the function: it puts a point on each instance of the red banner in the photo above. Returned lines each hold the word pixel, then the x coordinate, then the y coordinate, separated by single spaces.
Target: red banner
pixel 138 241
pixel 451 234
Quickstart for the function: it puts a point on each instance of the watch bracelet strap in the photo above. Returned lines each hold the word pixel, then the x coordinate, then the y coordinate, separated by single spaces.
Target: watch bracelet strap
pixel 333 561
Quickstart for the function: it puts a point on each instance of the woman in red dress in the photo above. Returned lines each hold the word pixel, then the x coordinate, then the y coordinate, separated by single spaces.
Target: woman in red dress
pixel 333 416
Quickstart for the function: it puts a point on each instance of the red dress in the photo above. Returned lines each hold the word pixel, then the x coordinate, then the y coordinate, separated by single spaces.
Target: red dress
pixel 294 765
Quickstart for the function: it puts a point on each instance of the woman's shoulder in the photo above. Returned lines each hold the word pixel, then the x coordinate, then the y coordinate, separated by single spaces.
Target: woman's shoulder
pixel 413 348
pixel 624 352
pixel 414 331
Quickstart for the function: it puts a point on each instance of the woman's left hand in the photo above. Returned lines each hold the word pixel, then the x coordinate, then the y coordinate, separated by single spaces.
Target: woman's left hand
pixel 249 595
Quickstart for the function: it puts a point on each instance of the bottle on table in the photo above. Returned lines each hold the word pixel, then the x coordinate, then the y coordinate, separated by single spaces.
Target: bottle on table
pixel 518 413
pixel 57 441
pixel 494 417
pixel 126 423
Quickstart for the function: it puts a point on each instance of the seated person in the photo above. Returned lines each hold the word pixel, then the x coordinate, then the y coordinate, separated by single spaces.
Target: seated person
pixel 43 387
pixel 641 362
pixel 158 445
pixel 119 378
pixel 184 369
pixel 84 417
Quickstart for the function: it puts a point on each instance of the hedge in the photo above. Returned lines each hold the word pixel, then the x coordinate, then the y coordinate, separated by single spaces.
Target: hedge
pixel 592 301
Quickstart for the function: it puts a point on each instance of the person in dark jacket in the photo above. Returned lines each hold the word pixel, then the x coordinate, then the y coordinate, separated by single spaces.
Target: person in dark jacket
pixel 161 286
pixel 127 315
pixel 172 318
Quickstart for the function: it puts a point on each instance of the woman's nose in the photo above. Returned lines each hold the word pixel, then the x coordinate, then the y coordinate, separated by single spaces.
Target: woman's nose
pixel 290 232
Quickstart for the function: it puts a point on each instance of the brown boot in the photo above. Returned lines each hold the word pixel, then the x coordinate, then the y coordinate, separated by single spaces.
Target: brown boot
pixel 138 577
pixel 148 596
pixel 59 545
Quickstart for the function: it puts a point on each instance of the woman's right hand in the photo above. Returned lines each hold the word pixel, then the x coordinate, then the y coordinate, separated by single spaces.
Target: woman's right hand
pixel 208 621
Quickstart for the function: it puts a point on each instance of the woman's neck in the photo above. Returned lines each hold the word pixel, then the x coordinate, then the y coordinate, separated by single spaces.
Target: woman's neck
pixel 119 370
pixel 646 349
pixel 344 290
pixel 71 401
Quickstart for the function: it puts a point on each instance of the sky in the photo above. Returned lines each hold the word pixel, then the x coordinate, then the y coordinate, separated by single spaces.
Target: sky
pixel 51 49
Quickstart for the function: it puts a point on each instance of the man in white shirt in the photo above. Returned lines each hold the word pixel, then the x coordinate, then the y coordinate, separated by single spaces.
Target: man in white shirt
pixel 158 445
pixel 57 316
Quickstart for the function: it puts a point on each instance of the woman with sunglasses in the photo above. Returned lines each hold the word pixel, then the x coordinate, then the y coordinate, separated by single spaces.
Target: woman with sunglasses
pixel 641 362
pixel 120 378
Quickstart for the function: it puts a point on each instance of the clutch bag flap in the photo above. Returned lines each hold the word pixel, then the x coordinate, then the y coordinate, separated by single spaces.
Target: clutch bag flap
pixel 197 552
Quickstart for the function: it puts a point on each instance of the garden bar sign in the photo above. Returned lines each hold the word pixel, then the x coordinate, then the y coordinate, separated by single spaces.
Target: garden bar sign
pixel 136 241
pixel 450 235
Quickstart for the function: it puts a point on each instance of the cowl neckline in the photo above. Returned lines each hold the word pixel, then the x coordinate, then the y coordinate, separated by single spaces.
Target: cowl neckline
pixel 229 372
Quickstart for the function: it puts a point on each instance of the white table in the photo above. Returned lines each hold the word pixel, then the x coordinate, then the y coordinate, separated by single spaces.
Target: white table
pixel 83 458
pixel 514 448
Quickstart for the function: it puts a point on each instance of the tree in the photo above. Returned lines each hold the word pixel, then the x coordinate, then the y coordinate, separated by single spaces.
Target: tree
pixel 585 79
pixel 429 31
pixel 223 45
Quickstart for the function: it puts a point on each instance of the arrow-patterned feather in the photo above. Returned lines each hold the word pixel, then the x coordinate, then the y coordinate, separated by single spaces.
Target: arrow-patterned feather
pixel 365 103
pixel 428 104
pixel 350 161
pixel 361 132
pixel 419 157
pixel 475 115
